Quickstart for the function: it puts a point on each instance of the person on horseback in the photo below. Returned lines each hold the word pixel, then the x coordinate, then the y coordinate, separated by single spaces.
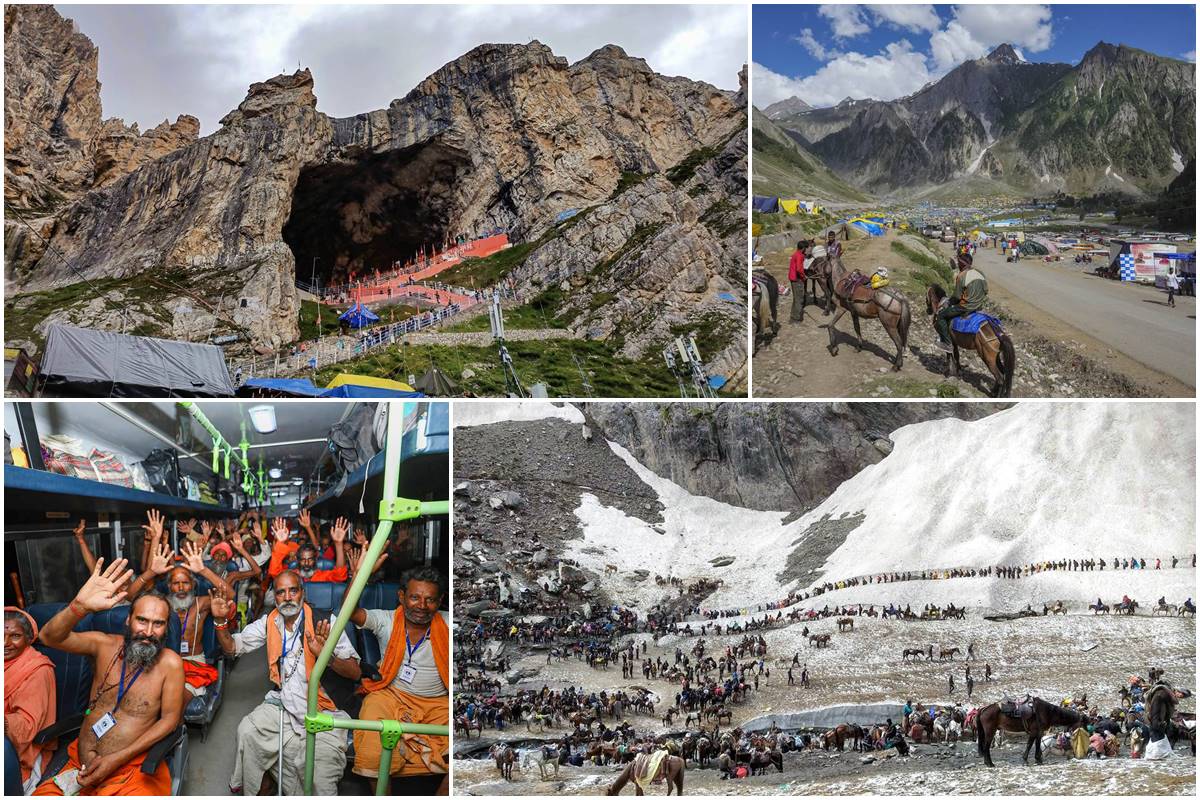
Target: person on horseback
pixel 970 293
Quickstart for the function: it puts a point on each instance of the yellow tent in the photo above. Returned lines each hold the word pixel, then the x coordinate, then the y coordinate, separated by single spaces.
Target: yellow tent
pixel 345 378
pixel 756 229
pixel 790 206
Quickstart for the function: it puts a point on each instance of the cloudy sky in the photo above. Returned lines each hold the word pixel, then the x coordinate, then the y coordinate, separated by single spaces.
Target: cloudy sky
pixel 825 53
pixel 160 61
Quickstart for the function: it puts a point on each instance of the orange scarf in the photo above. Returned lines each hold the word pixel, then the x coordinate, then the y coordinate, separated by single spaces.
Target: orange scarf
pixel 34 705
pixel 275 652
pixel 393 657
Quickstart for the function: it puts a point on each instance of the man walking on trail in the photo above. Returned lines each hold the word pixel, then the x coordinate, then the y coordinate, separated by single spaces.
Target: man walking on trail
pixel 414 678
pixel 1172 286
pixel 970 292
pixel 799 283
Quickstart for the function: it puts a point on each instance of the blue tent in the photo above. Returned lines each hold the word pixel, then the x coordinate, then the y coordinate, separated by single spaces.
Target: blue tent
pixel 563 216
pixel 359 316
pixel 766 205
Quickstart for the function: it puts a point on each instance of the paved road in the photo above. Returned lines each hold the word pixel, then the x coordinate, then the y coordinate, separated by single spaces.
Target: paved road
pixel 1133 319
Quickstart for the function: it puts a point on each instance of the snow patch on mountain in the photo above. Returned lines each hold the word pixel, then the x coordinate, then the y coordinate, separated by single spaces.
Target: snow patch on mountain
pixel 469 414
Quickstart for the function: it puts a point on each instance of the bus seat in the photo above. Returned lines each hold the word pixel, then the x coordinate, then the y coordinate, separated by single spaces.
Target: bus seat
pixel 72 673
pixel 325 563
pixel 201 710
pixel 13 785
pixel 382 596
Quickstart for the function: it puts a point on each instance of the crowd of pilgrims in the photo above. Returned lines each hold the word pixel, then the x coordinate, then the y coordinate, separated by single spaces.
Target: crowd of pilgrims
pixel 252 585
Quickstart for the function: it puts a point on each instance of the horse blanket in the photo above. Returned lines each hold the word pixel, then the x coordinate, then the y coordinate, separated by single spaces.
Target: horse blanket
pixel 971 323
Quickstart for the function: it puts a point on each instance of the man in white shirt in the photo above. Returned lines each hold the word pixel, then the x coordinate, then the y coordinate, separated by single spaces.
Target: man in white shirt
pixel 294 638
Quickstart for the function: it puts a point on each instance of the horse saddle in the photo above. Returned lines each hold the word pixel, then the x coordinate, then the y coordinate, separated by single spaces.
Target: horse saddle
pixel 1015 710
pixel 854 288
pixel 971 323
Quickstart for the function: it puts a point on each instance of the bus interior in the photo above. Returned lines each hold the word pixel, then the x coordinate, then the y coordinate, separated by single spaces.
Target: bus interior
pixel 81 480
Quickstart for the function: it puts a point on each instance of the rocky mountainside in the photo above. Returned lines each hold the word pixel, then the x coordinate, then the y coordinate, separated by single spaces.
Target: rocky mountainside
pixel 784 166
pixel 204 238
pixel 1025 125
pixel 785 108
pixel 769 456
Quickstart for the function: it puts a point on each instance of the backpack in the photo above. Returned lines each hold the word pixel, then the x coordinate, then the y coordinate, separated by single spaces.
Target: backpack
pixel 162 473
pixel 359 436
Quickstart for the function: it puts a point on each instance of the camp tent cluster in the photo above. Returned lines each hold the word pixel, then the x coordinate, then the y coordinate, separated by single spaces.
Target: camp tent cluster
pixel 872 226
pixel 780 205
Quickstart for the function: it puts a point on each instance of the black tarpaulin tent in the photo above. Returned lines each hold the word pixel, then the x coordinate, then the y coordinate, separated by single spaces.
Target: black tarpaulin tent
pixel 435 383
pixel 80 362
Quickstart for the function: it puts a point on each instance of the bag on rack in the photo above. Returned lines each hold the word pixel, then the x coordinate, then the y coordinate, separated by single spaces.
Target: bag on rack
pixel 159 466
pixel 356 438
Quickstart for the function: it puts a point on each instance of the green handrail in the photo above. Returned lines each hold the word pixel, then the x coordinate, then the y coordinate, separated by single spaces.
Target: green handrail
pixel 392 509
pixel 220 445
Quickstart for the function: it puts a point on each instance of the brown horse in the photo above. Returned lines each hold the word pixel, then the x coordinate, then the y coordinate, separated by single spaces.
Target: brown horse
pixel 886 304
pixel 764 281
pixel 1045 716
pixel 818 270
pixel 505 757
pixel 845 623
pixel 670 769
pixel 994 347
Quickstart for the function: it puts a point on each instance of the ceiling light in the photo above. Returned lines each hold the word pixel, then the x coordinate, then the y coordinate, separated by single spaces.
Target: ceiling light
pixel 275 472
pixel 263 418
pixel 298 481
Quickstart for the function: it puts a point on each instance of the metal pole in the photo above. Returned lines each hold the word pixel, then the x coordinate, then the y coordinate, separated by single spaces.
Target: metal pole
pixel 279 781
pixel 391 480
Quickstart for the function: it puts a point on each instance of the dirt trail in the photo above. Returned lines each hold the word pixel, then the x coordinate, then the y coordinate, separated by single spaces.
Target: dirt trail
pixel 1054 359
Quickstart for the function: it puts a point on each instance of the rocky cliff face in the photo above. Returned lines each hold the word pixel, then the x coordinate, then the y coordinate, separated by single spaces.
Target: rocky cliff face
pixel 764 456
pixel 1043 126
pixel 209 231
pixel 51 108
pixel 785 108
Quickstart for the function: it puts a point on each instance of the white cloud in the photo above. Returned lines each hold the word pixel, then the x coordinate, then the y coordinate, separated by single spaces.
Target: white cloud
pixel 1190 55
pixel 976 30
pixel 817 50
pixel 895 72
pixel 847 21
pixel 954 45
pixel 915 18
pixel 1028 26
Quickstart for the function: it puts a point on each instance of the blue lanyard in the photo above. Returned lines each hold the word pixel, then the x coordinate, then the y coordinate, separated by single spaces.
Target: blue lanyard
pixel 295 636
pixel 183 633
pixel 122 688
pixel 412 648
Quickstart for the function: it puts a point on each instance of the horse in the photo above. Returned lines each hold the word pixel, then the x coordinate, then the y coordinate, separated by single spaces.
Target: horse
pixel 1100 608
pixel 1045 715
pixel 505 757
pixel 818 271
pixel 546 759
pixel 994 346
pixel 763 280
pixel 762 760
pixel 819 639
pixel 461 723
pixel 947 652
pixel 845 623
pixel 1165 608
pixel 914 652
pixel 1059 608
pixel 687 722
pixel 887 305
pixel 541 720
pixel 670 769
pixel 838 737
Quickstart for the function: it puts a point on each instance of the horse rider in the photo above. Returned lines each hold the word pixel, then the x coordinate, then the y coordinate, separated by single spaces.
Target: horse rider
pixel 970 293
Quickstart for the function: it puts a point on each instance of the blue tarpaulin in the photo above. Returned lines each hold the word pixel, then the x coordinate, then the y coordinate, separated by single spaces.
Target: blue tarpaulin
pixel 870 227
pixel 350 390
pixel 303 387
pixel 358 316
pixel 565 215
pixel 766 205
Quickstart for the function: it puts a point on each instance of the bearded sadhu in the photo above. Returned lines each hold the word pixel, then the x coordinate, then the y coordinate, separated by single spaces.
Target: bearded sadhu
pixel 136 694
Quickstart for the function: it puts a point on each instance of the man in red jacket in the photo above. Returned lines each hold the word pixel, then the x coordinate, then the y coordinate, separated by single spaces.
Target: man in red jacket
pixel 799 285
